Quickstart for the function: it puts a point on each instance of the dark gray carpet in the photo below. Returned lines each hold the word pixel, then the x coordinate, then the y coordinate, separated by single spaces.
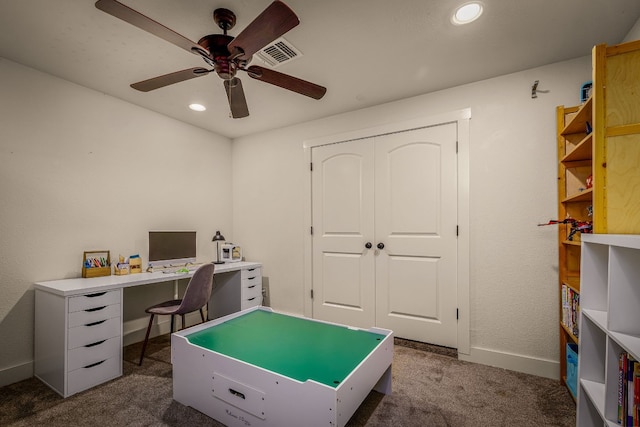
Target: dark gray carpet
pixel 430 388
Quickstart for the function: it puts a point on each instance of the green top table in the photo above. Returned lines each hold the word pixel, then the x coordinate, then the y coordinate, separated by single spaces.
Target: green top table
pixel 294 347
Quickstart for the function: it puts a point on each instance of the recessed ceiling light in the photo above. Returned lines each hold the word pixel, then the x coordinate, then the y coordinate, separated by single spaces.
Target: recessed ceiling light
pixel 466 13
pixel 197 107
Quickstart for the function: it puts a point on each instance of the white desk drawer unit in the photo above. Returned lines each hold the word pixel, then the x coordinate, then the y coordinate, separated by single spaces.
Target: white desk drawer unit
pixel 94 340
pixel 89 350
pixel 78 321
pixel 251 292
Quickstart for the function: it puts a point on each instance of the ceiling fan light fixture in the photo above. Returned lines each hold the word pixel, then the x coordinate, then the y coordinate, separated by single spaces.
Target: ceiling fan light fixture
pixel 467 13
pixel 197 107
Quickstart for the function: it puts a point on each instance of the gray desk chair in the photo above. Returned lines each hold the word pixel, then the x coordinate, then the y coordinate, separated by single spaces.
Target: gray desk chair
pixel 196 296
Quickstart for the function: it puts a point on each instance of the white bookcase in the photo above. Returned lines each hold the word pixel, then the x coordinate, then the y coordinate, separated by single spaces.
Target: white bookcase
pixel 609 322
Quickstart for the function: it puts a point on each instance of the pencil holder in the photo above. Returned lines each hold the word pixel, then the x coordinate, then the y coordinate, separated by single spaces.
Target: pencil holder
pixel 96 264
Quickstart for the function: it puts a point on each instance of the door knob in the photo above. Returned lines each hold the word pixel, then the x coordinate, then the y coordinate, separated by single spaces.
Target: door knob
pixel 380 245
pixel 368 245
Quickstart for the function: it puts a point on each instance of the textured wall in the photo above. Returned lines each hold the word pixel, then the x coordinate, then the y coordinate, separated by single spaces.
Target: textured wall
pixel 81 171
pixel 513 289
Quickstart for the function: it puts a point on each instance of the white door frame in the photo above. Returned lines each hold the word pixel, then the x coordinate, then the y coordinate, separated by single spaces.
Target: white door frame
pixel 462 118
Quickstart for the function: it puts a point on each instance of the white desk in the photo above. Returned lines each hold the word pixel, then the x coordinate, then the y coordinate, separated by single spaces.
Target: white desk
pixel 78 322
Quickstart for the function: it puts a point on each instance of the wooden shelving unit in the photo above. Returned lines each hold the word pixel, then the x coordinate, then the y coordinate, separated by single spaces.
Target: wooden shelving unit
pixel 575 200
pixel 610 320
pixel 601 139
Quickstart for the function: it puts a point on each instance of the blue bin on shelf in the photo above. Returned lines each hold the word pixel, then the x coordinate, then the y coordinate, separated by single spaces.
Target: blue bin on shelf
pixel 572 368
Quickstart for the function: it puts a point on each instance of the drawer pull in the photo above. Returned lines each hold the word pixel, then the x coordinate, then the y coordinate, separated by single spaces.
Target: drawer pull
pixel 251 269
pixel 89 310
pixel 94 364
pixel 251 299
pixel 95 344
pixel 252 286
pixel 96 323
pixel 237 393
pixel 97 294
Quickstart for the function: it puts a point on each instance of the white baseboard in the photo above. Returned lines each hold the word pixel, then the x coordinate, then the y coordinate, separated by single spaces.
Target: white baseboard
pixel 514 362
pixel 133 332
pixel 16 373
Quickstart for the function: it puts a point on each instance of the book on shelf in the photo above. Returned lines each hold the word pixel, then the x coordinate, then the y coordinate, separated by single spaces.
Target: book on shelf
pixel 628 390
pixel 570 309
pixel 636 394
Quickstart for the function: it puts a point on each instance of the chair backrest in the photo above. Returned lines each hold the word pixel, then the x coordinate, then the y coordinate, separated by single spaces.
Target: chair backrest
pixel 198 290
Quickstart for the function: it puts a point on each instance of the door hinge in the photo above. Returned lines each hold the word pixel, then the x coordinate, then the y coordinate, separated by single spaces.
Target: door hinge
pixel 456 147
pixel 311 293
pixel 457 314
pixel 457 230
pixel 311 230
pixel 311 166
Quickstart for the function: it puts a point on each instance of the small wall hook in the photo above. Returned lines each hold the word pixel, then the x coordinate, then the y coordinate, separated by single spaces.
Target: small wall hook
pixel 535 90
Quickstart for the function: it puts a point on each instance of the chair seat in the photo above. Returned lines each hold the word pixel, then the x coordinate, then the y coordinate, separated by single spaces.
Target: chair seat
pixel 165 308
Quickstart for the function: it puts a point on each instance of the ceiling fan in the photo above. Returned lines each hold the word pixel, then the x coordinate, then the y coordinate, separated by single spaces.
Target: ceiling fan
pixel 226 54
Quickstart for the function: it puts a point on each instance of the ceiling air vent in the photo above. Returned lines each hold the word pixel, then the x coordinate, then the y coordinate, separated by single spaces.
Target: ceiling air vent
pixel 278 52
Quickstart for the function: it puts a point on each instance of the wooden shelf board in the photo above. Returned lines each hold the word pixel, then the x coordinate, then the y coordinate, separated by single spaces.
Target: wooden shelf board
pixel 572 242
pixel 577 124
pixel 573 282
pixel 582 151
pixel 585 195
pixel 569 333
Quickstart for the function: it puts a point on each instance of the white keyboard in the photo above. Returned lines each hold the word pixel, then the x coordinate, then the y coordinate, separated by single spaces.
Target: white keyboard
pixel 173 269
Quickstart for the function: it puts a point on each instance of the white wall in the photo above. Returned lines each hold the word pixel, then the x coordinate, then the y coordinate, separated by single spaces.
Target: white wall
pixel 80 171
pixel 513 169
pixel 634 33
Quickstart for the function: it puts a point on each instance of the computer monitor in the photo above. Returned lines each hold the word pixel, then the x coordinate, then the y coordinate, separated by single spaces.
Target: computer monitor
pixel 171 248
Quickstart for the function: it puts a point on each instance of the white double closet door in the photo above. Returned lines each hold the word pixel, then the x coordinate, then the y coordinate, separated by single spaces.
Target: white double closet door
pixel 384 245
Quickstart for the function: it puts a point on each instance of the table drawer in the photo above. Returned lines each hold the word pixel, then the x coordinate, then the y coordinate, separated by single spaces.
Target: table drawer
pixel 251 291
pixel 251 273
pixel 94 332
pixel 94 374
pixel 92 315
pixel 93 300
pixel 250 302
pixel 93 353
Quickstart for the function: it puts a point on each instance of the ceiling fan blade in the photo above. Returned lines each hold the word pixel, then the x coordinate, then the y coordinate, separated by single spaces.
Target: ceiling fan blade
pixel 133 17
pixel 272 23
pixel 169 79
pixel 237 101
pixel 286 81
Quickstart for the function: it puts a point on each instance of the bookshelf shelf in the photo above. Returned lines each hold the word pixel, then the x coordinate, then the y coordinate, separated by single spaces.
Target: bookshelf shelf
pixel 569 333
pixel 582 151
pixel 609 324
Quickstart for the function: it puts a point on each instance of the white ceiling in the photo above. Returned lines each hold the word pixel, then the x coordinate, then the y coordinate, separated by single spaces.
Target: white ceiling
pixel 366 52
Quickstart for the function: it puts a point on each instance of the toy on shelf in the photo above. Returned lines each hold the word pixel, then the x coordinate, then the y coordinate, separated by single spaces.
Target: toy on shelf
pixel 576 226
